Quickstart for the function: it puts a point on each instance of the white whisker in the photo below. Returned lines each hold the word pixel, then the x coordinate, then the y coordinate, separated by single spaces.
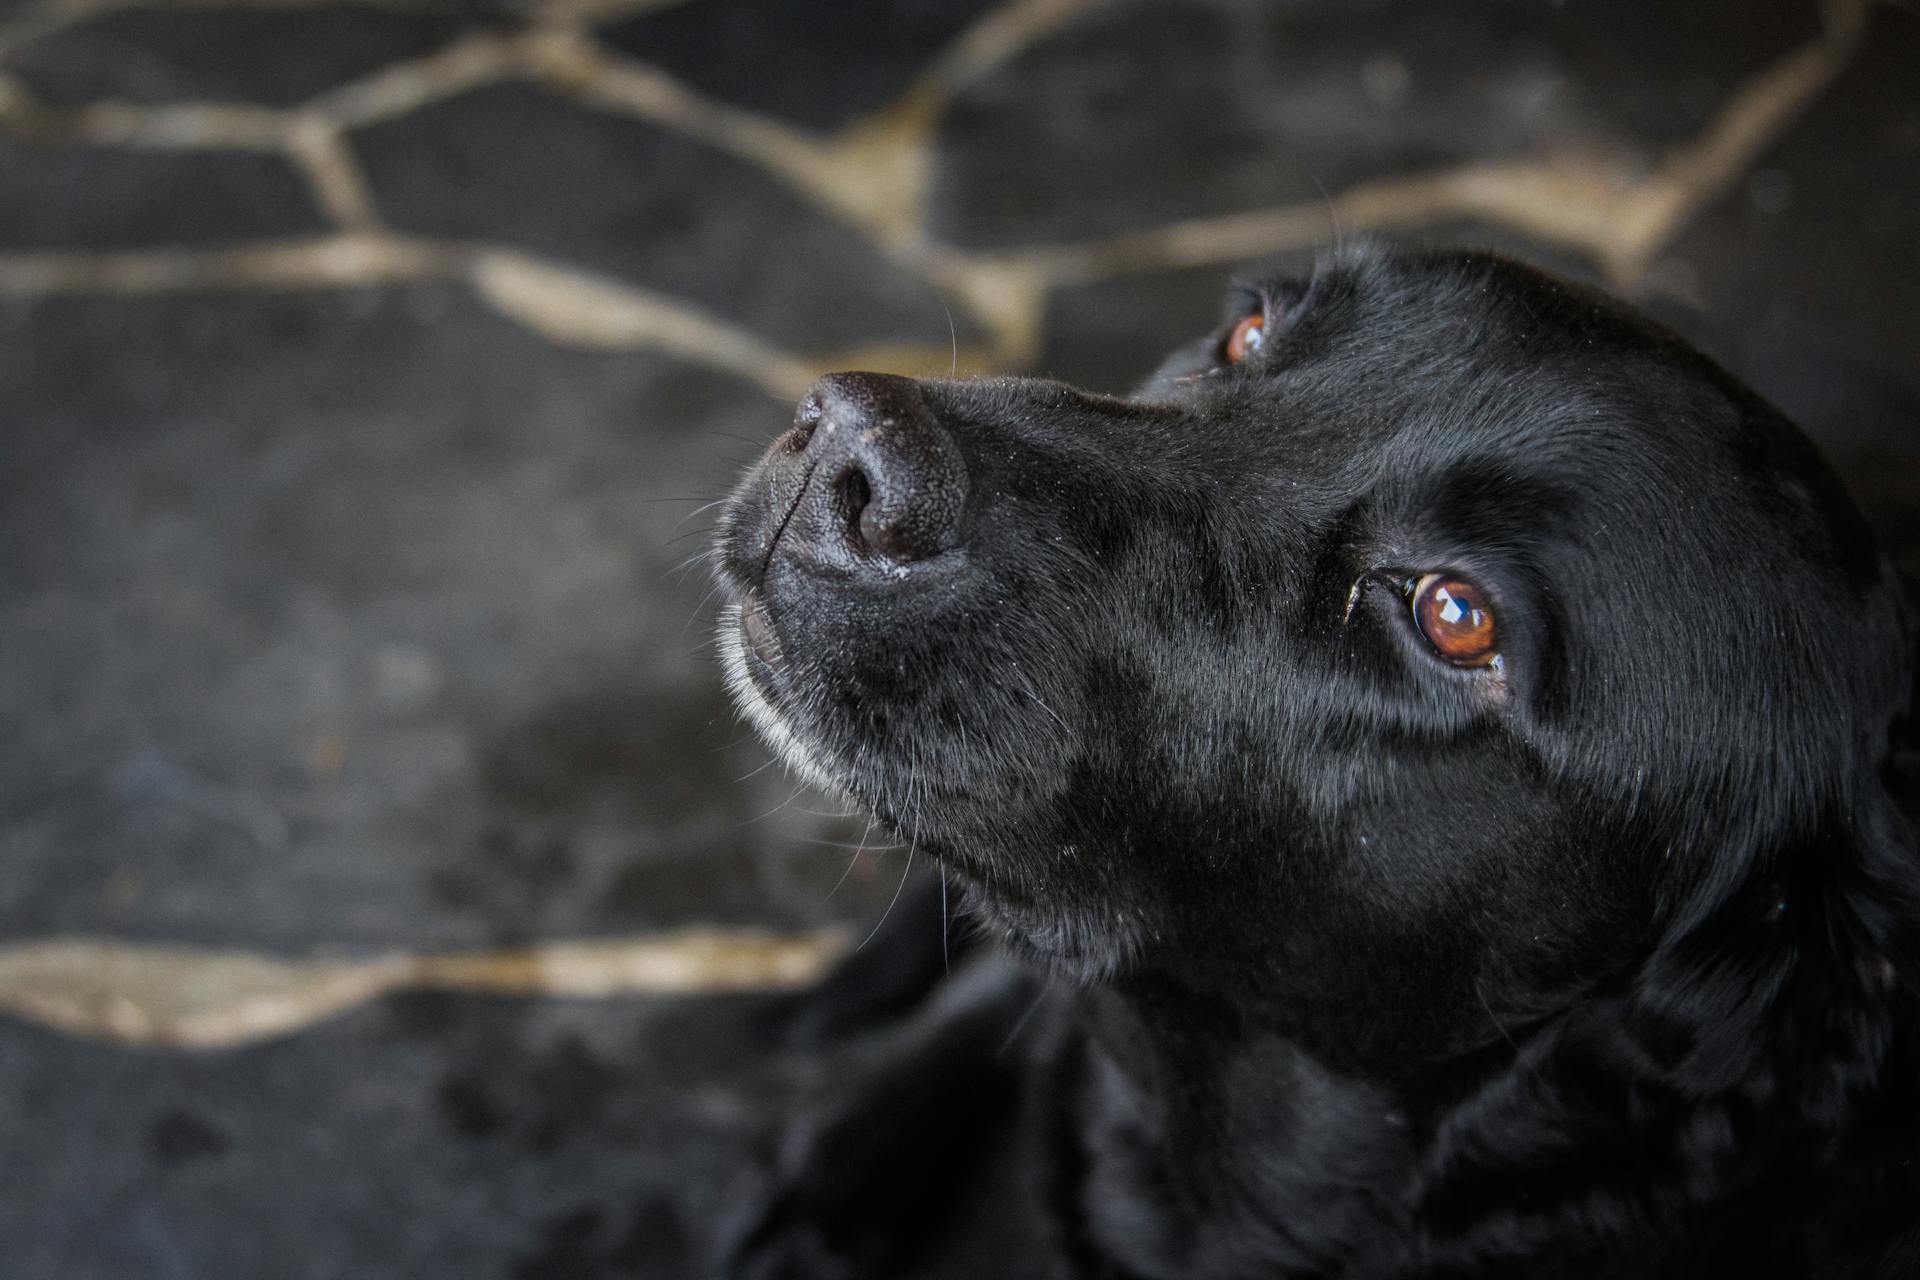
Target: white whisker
pixel 765 717
pixel 855 858
pixel 897 891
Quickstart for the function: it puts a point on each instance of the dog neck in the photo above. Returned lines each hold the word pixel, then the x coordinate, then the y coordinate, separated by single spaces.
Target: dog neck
pixel 1197 1136
pixel 1200 1134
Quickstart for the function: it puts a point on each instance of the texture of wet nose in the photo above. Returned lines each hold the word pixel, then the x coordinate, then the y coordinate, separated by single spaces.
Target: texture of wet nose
pixel 885 476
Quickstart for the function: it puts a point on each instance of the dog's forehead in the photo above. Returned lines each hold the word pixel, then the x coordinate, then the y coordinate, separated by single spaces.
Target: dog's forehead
pixel 1418 365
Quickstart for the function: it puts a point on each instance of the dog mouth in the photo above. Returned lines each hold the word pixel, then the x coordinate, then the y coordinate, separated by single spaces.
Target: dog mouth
pixel 763 649
pixel 754 664
pixel 754 658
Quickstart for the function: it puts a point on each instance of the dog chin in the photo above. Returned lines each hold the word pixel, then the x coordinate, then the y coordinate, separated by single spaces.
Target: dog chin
pixel 1079 945
pixel 772 724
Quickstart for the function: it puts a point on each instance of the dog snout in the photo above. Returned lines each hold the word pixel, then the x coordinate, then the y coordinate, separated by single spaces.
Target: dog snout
pixel 885 478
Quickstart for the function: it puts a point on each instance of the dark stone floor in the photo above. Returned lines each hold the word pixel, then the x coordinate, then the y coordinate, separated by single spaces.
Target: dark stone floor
pixel 339 620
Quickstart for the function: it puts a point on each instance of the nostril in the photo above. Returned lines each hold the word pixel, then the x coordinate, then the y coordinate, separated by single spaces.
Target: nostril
pixel 853 496
pixel 882 480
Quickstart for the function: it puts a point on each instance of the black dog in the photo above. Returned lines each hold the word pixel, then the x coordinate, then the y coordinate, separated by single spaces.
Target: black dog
pixel 1439 726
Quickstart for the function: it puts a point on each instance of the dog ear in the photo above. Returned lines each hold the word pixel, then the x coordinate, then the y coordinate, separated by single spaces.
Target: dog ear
pixel 1880 902
pixel 1758 1024
pixel 1876 906
pixel 1793 974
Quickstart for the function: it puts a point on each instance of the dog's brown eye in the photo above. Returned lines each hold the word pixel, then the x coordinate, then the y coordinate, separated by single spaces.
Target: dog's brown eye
pixel 1454 617
pixel 1246 337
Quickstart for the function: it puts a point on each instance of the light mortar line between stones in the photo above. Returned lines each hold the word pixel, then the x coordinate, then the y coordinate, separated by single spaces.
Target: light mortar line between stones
pixel 402 87
pixel 310 141
pixel 176 127
pixel 1562 201
pixel 873 172
pixel 574 66
pixel 34 21
pixel 886 160
pixel 583 309
pixel 562 303
pixel 206 998
pixel 990 43
pixel 1007 294
pixel 334 261
pixel 323 157
pixel 579 13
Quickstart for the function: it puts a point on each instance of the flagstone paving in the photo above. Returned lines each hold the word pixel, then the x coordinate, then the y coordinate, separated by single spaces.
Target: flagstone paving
pixel 382 865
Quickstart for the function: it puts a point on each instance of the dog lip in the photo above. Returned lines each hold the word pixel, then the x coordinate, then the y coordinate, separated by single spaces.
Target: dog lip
pixel 756 627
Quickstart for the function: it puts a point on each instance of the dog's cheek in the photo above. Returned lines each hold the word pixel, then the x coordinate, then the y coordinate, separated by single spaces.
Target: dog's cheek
pixel 957 725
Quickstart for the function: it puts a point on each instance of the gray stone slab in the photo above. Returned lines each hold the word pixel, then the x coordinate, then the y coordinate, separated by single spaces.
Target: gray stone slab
pixel 819 65
pixel 1822 237
pixel 1663 70
pixel 621 196
pixel 1109 336
pixel 351 620
pixel 1809 272
pixel 1865 419
pixel 423 1137
pixel 1145 111
pixel 267 56
pixel 108 198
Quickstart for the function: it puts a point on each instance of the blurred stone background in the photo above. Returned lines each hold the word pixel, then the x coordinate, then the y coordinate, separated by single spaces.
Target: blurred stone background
pixel 364 368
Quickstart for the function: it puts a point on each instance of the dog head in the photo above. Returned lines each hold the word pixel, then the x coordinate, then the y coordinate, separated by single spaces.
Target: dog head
pixel 1411 653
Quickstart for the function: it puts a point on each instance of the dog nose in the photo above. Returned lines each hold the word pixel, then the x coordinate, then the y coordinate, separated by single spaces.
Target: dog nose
pixel 885 478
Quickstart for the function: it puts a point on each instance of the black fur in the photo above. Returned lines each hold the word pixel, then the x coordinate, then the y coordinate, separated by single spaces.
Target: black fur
pixel 1599 963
